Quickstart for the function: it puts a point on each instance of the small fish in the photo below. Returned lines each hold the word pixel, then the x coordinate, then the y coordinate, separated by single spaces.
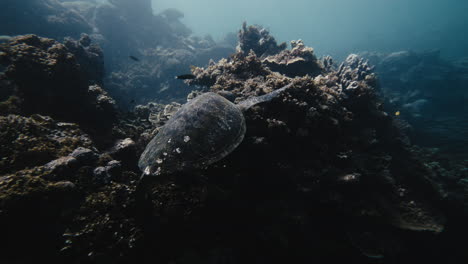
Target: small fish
pixel 132 101
pixel 134 58
pixel 185 76
pixel 397 113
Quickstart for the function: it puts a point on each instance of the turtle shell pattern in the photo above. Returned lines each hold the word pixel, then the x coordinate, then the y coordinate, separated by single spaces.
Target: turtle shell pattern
pixel 203 131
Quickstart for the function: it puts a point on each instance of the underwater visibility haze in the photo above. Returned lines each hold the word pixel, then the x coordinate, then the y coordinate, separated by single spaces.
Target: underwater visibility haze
pixel 338 27
pixel 176 131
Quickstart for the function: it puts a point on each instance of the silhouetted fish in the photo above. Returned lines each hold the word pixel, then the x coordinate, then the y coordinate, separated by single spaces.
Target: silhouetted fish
pixel 132 101
pixel 133 58
pixel 185 76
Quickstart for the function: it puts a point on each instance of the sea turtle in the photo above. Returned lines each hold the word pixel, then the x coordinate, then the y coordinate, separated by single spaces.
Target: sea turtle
pixel 201 132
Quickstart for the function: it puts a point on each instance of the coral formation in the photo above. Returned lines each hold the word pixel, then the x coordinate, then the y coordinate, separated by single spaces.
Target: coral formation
pixel 164 46
pixel 346 97
pixel 298 61
pixel 323 174
pixel 259 40
pixel 89 56
pixel 36 140
pixel 57 84
pixel 123 28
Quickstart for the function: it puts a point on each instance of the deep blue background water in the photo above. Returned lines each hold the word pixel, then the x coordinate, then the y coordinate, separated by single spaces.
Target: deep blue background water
pixel 338 27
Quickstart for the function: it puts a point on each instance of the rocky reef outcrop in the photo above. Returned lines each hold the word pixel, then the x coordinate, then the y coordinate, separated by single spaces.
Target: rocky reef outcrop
pixel 43 76
pixel 336 103
pixel 160 46
pixel 298 61
pixel 143 51
pixel 324 173
pixel 36 140
pixel 259 40
pixel 430 94
pixel 42 17
pixel 152 78
pixel 89 56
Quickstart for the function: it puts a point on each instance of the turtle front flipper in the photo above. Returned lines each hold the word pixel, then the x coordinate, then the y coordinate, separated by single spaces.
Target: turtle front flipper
pixel 245 105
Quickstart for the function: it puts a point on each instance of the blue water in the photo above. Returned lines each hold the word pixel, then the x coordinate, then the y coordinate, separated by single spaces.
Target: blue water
pixel 338 27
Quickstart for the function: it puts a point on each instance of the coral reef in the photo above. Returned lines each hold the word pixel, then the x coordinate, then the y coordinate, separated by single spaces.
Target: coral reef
pixel 36 140
pixel 347 98
pixel 259 40
pixel 164 47
pixel 430 93
pixel 124 29
pixel 42 17
pixel 32 213
pixel 298 61
pixel 367 172
pixel 89 56
pixel 324 174
pixel 57 84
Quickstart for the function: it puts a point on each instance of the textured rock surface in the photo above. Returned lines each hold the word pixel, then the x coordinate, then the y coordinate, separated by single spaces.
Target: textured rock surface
pixel 298 61
pixel 55 81
pixel 162 44
pixel 323 174
pixel 32 211
pixel 259 40
pixel 36 140
pixel 57 84
pixel 89 56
